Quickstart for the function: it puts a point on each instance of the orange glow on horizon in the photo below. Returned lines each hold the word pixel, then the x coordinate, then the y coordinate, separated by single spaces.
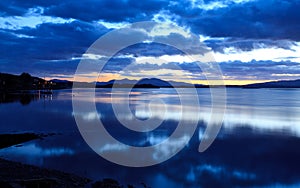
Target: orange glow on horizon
pixel 229 82
pixel 109 76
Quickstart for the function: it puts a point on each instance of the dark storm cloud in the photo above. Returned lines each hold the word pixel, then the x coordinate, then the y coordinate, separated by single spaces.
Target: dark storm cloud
pixel 190 67
pixel 116 64
pixel 89 10
pixel 108 10
pixel 47 42
pixel 275 19
pixel 66 68
pixel 150 49
pixel 20 7
pixel 261 70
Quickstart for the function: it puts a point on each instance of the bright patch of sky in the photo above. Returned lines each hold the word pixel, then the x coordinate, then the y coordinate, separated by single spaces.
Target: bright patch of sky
pixel 204 38
pixel 208 6
pixel 31 19
pixel 260 54
pixel 165 29
pixel 212 5
pixel 162 73
pixel 113 25
pixel 23 36
pixel 165 17
pixel 286 75
pixel 92 56
pixel 174 58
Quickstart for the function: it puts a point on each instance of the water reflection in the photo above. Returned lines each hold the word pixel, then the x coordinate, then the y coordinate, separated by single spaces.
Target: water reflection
pixel 35 151
pixel 257 146
pixel 24 98
pixel 266 109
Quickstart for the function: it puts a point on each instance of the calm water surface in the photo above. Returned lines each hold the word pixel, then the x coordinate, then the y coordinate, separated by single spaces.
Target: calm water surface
pixel 258 144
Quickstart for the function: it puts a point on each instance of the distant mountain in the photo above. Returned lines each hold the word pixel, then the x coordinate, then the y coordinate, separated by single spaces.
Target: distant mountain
pixel 276 84
pixel 59 81
pixel 154 81
pixel 143 83
pixel 60 84
pixel 112 82
pixel 11 83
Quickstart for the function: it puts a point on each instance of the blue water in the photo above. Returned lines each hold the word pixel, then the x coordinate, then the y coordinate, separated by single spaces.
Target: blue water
pixel 258 144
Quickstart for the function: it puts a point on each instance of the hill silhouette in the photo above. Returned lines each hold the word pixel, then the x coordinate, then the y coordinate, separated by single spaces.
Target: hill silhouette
pixel 13 83
pixel 276 84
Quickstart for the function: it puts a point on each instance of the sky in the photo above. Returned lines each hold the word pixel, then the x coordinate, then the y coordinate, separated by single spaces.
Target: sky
pixel 251 40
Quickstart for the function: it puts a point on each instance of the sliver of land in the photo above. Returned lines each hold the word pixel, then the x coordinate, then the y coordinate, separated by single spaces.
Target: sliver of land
pixel 14 174
pixel 7 140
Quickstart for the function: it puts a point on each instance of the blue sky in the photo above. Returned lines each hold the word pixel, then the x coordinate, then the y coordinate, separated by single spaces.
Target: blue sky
pixel 251 39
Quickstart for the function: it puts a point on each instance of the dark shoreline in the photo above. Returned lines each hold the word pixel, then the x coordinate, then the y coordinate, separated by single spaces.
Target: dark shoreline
pixel 7 140
pixel 15 173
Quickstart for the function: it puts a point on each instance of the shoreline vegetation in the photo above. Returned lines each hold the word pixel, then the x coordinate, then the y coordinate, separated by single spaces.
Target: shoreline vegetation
pixel 16 174
pixel 25 83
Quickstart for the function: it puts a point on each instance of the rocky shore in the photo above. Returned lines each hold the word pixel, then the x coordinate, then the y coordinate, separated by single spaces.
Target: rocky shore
pixel 14 174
